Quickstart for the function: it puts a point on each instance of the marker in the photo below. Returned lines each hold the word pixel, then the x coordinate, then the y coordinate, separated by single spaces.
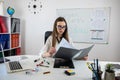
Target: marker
pixel 43 65
pixel 47 72
pixel 36 60
pixel 97 65
pixel 48 63
pixel 89 65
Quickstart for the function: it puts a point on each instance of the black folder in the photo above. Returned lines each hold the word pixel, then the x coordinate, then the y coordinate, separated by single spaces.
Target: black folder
pixel 66 53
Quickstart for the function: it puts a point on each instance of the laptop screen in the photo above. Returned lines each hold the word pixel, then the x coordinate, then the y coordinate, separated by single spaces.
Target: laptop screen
pixel 3 59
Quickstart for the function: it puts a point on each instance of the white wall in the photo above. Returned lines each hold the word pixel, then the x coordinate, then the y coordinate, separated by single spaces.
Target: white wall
pixel 34 26
pixel 1 7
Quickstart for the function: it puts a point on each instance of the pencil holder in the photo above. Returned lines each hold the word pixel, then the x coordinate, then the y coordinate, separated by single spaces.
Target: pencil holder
pixel 97 76
pixel 100 74
pixel 94 76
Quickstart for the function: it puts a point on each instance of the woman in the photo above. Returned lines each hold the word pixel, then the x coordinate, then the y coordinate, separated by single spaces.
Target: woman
pixel 60 30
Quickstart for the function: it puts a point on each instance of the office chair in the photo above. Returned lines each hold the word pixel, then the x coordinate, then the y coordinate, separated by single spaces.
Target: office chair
pixel 47 34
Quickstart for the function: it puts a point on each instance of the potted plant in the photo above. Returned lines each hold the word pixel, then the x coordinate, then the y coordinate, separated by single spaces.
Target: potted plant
pixel 109 72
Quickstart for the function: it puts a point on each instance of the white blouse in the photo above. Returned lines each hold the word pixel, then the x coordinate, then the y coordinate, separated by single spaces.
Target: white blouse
pixel 48 45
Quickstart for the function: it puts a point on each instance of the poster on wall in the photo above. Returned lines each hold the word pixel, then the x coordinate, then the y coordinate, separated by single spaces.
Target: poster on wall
pixel 87 24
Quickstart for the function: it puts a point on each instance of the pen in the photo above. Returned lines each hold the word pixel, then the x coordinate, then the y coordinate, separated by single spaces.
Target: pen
pixel 94 65
pixel 97 65
pixel 89 66
pixel 44 65
pixel 46 72
pixel 98 68
pixel 36 60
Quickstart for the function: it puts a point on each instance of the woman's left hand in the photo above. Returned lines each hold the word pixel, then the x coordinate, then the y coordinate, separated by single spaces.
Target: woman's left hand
pixel 85 58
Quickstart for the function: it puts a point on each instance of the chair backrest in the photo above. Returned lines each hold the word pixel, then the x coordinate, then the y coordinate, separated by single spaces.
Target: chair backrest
pixel 47 34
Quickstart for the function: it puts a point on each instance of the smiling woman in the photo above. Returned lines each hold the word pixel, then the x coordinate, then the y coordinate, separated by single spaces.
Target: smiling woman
pixel 1 7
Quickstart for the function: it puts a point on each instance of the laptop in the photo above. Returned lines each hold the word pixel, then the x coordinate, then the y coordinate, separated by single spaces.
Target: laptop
pixel 15 66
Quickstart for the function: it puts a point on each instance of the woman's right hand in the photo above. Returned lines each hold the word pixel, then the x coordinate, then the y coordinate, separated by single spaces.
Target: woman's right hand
pixel 52 51
pixel 49 53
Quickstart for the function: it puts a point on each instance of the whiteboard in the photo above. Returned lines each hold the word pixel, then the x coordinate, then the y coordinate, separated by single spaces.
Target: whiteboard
pixel 87 24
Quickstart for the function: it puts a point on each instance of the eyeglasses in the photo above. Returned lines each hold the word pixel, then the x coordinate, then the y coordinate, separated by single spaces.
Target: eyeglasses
pixel 61 27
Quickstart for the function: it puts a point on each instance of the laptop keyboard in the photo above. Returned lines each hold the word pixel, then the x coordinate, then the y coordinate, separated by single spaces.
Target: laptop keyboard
pixel 15 65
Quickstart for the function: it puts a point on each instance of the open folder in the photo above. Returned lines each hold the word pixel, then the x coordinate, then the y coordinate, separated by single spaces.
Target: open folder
pixel 66 52
pixel 69 52
pixel 82 53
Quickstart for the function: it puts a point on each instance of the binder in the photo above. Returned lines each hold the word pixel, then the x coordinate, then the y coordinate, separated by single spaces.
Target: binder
pixel 15 25
pixel 18 51
pixel 66 53
pixel 4 40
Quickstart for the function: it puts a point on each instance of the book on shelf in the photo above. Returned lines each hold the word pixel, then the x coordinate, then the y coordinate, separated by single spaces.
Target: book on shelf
pixel 4 40
pixel 14 40
pixel 3 27
pixel 15 25
pixel 18 51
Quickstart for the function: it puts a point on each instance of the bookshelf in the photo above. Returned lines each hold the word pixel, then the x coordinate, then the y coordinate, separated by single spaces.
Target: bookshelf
pixel 10 37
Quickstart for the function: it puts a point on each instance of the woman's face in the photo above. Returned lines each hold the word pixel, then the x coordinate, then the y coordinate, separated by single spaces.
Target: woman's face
pixel 61 26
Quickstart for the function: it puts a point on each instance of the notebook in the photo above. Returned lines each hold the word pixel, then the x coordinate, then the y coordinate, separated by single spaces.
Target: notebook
pixel 15 66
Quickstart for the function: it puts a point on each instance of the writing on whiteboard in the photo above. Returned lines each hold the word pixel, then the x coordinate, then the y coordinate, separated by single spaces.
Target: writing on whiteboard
pixel 87 24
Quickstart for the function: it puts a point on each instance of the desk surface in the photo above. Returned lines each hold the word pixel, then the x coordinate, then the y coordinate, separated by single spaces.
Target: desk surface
pixel 81 71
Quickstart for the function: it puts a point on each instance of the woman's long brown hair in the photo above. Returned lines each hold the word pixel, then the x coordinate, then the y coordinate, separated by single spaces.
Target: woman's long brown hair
pixel 55 33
